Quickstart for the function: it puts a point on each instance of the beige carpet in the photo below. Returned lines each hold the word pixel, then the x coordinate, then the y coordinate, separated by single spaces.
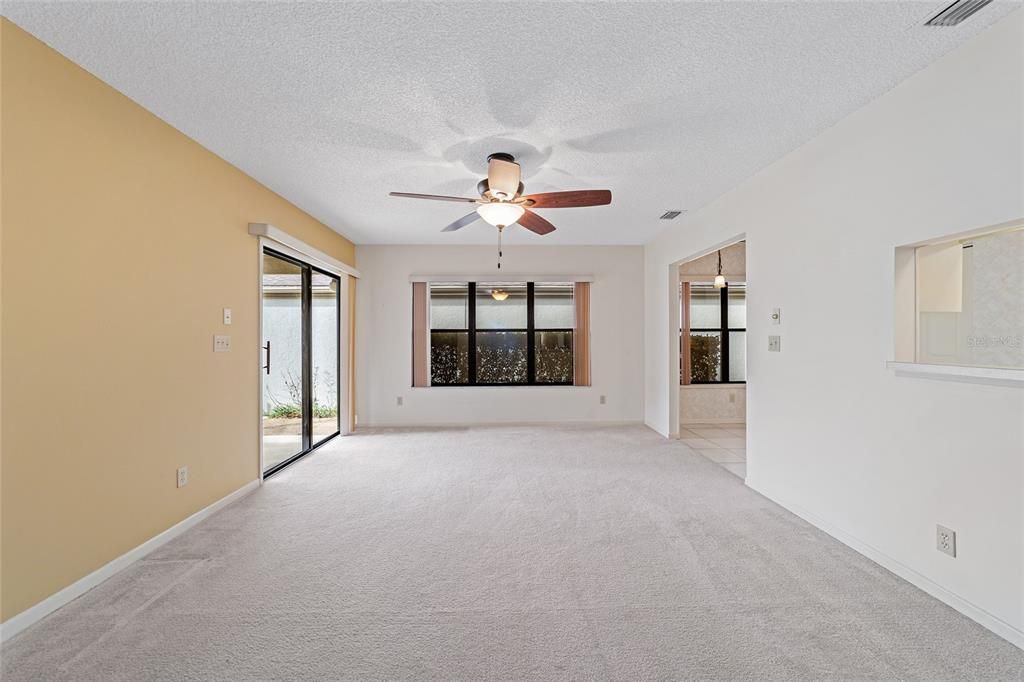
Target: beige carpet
pixel 506 553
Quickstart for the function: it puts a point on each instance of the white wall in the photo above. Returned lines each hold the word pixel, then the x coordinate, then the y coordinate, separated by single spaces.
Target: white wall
pixel 384 337
pixel 876 459
pixel 282 326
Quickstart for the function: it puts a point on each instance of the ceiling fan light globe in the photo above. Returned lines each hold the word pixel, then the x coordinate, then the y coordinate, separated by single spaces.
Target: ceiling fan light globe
pixel 500 213
pixel 720 282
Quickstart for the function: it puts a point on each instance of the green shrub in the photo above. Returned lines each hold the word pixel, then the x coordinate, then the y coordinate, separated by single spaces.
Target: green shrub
pixel 324 411
pixel 705 358
pixel 285 412
pixel 295 412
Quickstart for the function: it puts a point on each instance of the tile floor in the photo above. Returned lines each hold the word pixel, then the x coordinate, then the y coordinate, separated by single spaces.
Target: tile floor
pixel 723 444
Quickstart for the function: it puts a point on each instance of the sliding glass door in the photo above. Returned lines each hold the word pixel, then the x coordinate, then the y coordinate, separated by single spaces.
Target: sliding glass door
pixel 323 313
pixel 300 359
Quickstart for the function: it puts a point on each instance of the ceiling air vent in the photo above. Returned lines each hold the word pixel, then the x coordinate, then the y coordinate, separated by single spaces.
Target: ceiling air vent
pixel 671 215
pixel 956 13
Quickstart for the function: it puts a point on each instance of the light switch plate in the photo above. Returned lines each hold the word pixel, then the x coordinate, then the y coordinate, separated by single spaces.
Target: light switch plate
pixel 182 476
pixel 775 344
pixel 227 316
pixel 221 344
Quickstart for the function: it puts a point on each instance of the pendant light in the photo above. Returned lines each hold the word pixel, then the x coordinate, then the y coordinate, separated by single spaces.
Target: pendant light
pixel 720 282
pixel 499 294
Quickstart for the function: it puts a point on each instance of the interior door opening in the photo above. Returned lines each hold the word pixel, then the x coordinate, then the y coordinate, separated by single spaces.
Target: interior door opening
pixel 302 360
pixel 708 383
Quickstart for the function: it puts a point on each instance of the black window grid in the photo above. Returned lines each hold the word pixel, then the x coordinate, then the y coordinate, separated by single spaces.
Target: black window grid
pixel 723 331
pixel 531 331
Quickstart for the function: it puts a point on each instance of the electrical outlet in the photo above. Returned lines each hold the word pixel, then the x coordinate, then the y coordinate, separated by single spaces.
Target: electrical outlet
pixel 604 400
pixel 221 344
pixel 774 344
pixel 732 397
pixel 945 540
pixel 182 477
pixel 400 401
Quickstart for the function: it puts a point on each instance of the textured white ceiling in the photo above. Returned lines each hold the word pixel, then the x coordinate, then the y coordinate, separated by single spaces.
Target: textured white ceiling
pixel 332 105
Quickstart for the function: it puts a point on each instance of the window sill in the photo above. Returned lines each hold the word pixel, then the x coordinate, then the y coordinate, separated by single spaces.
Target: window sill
pixel 992 376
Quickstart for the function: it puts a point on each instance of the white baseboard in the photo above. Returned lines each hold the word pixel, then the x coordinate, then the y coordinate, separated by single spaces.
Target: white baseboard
pixel 490 424
pixel 16 624
pixel 979 615
pixel 737 421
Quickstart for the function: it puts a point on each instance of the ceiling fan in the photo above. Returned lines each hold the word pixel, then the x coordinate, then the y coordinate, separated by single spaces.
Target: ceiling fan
pixel 502 202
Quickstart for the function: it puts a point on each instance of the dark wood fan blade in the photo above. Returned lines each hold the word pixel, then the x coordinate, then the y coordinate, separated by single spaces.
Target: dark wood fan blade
pixel 534 223
pixel 434 197
pixel 572 199
pixel 503 178
pixel 462 222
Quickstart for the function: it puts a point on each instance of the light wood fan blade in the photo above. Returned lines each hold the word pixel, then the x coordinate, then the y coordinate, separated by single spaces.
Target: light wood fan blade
pixel 572 199
pixel 534 223
pixel 462 222
pixel 503 178
pixel 434 197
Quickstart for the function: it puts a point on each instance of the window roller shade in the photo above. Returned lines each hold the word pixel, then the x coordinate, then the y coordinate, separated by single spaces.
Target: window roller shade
pixel 581 334
pixel 420 336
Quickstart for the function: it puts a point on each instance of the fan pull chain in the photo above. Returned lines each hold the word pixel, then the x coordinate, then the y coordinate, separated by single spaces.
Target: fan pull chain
pixel 500 228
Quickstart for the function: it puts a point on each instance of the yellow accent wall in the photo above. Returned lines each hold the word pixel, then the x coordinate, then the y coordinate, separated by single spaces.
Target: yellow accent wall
pixel 122 240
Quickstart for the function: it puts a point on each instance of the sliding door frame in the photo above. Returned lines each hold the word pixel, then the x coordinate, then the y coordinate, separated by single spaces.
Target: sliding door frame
pixel 342 417
pixel 309 264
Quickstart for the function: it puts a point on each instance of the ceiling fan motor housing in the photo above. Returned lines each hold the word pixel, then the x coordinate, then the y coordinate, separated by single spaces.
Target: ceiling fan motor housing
pixel 484 187
pixel 501 156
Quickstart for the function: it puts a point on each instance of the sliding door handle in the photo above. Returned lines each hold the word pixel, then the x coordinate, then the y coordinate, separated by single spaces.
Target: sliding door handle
pixel 267 348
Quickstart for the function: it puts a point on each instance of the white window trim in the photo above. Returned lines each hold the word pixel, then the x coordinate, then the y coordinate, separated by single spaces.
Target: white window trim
pixel 296 248
pixel 501 277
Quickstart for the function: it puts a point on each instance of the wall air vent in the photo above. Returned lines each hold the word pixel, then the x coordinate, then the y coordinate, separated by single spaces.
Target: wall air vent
pixel 956 13
pixel 671 215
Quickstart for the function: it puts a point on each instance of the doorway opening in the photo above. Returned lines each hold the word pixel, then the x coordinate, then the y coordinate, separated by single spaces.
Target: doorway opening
pixel 710 344
pixel 301 331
